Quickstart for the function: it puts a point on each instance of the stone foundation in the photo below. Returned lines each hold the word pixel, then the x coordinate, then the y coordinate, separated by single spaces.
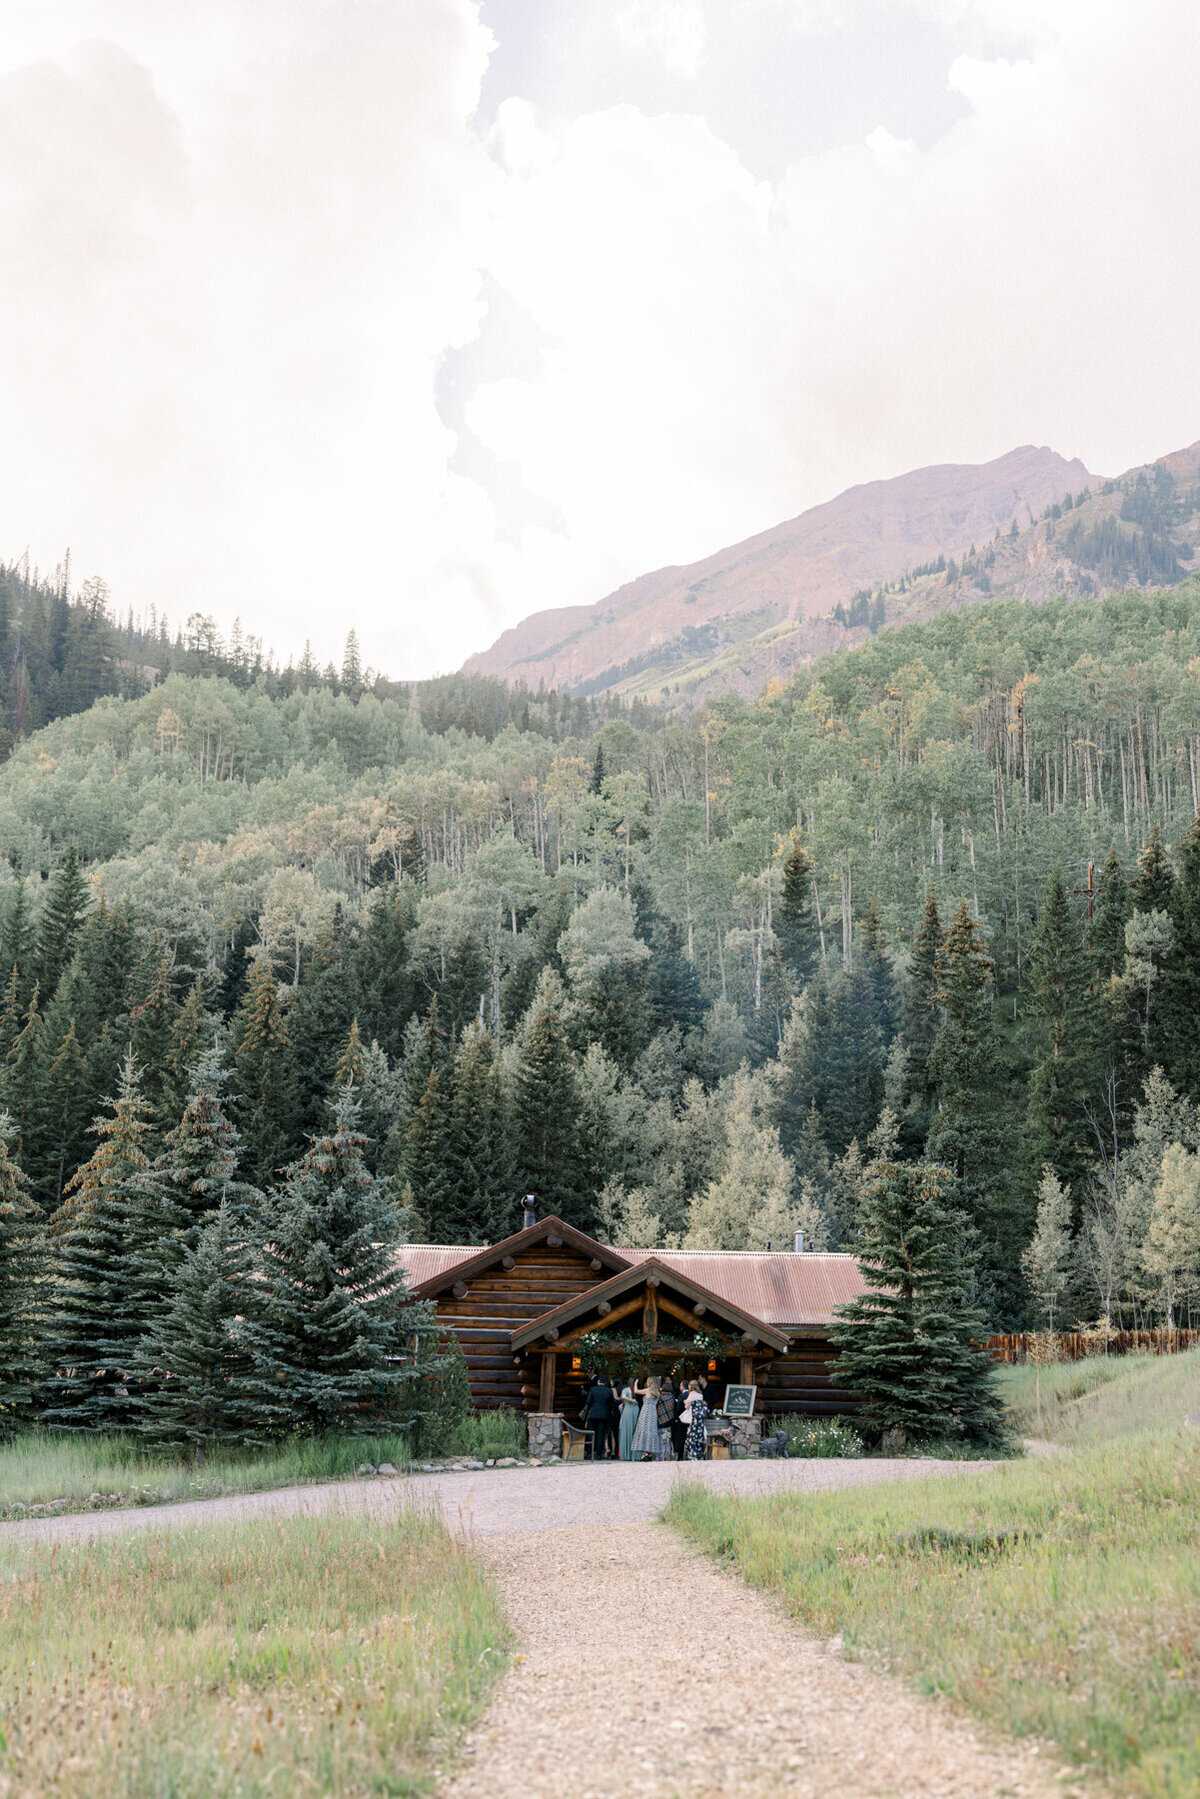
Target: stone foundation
pixel 545 1433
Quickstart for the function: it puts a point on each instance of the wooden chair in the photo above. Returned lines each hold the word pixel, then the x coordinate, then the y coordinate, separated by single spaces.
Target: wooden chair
pixel 576 1443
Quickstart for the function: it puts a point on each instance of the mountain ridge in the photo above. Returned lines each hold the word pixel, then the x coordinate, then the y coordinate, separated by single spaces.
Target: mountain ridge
pixel 791 574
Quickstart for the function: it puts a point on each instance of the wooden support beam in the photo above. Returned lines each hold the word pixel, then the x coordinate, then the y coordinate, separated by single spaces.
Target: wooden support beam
pixel 554 1242
pixel 650 1311
pixel 552 1333
pixel 546 1393
pixel 459 1289
pixel 654 1280
pixel 746 1371
pixel 699 1308
pixel 604 1308
pixel 508 1261
pixel 595 1264
pixel 615 1316
pixel 748 1339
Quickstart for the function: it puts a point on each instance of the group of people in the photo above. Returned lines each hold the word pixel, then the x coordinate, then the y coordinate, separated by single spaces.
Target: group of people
pixel 647 1423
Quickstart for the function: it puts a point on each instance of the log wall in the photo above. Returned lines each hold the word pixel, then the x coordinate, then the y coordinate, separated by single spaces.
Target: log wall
pixel 500 1300
pixel 803 1381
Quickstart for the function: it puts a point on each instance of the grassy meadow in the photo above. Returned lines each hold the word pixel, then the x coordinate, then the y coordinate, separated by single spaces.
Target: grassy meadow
pixel 298 1656
pixel 40 1467
pixel 1055 1597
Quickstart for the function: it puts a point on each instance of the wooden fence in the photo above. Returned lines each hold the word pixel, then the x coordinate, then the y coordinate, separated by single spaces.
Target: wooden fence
pixel 1073 1346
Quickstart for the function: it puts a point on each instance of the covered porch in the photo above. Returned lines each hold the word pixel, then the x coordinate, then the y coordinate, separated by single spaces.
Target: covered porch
pixel 649 1319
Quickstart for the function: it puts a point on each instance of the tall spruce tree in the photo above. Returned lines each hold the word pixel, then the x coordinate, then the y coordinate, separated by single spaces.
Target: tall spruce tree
pixel 330 1310
pixel 1179 1007
pixel 1106 933
pixel 905 1346
pixel 793 919
pixel 22 1268
pixel 266 1111
pixel 1061 1082
pixel 97 1309
pixel 920 1008
pixel 970 1131
pixel 62 916
pixel 189 1033
pixel 196 1171
pixel 151 1024
pixel 426 1160
pixel 64 1118
pixel 1154 882
pixel 479 1200
pixel 193 1368
pixel 22 1082
pixel 549 1162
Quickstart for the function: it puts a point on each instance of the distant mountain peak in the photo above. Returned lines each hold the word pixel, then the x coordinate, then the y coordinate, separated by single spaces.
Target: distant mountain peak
pixel 662 630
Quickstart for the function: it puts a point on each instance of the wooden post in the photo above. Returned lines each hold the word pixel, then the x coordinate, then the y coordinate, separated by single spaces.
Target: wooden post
pixel 746 1371
pixel 650 1312
pixel 546 1400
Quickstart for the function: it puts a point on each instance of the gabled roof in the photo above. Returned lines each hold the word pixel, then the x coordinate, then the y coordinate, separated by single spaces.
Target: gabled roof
pixel 430 1280
pixel 785 1289
pixel 630 1278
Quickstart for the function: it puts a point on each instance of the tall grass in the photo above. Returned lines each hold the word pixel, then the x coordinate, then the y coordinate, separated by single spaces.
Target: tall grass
pixel 39 1466
pixel 1103 1396
pixel 1058 1598
pixel 42 1465
pixel 301 1656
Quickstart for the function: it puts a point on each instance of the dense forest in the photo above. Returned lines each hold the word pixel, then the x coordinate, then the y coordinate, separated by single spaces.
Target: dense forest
pixel 682 979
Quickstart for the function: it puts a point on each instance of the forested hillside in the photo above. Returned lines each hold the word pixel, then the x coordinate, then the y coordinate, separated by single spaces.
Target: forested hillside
pixel 675 978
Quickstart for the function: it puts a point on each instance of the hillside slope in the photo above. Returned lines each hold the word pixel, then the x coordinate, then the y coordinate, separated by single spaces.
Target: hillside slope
pixel 784 582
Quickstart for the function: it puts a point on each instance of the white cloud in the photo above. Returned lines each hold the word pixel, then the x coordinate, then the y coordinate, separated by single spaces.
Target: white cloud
pixel 675 29
pixel 239 239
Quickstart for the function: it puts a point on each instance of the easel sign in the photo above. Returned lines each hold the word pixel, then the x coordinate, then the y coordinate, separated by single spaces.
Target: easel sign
pixel 739 1402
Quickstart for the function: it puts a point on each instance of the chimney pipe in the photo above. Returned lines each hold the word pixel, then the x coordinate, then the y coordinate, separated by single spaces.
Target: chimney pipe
pixel 799 1243
pixel 530 1218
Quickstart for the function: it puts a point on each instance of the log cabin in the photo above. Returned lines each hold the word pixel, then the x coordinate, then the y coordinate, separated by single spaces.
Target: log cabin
pixel 520 1307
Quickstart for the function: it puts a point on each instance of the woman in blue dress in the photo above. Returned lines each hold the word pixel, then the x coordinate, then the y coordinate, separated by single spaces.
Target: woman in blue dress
pixel 629 1423
pixel 647 1444
pixel 693 1415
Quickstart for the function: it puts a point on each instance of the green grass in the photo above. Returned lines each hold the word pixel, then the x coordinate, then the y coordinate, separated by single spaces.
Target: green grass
pixel 282 1657
pixel 40 1466
pixel 1103 1397
pixel 1056 1597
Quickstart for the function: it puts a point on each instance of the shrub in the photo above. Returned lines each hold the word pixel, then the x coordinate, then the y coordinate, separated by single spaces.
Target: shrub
pixel 808 1437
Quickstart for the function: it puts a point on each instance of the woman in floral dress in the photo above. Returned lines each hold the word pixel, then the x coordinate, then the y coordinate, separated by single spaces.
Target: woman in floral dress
pixel 647 1445
pixel 693 1415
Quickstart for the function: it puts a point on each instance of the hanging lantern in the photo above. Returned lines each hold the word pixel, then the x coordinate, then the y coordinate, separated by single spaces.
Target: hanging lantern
pixel 575 1364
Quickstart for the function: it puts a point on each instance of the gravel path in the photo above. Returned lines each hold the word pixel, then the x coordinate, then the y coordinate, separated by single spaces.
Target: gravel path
pixel 650 1674
pixel 498 1502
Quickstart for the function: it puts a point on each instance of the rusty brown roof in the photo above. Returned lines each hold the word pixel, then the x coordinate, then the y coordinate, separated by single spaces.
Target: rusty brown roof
pixel 782 1289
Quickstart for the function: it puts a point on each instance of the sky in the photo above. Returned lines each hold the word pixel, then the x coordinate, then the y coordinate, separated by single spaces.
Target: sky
pixel 418 316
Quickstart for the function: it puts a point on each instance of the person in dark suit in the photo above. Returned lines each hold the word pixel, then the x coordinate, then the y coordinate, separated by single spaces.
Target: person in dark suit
pixel 599 1414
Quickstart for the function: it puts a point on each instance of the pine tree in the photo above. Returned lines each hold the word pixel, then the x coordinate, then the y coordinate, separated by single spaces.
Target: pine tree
pixel 920 1010
pixel 320 1019
pixel 599 772
pixel 17 942
pixel 62 916
pixel 64 1119
pixel 192 1366
pixel 22 1265
pixel 546 1111
pixel 97 1310
pixel 10 1014
pixel 1154 883
pixel 1063 1068
pixel 1179 1006
pixel 151 1024
pixel 266 1106
pixel 22 1082
pixel 905 1346
pixel 793 918
pixel 1106 935
pixel 329 1311
pixel 479 1196
pixel 873 964
pixel 426 1161
pixel 196 1171
pixel 383 978
pixel 189 1033
pixel 968 1132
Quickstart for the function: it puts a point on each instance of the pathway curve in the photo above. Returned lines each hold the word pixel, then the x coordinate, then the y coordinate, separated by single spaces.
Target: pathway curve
pixel 497 1502
pixel 648 1673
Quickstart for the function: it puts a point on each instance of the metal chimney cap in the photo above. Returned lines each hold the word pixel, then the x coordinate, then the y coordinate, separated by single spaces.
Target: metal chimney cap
pixel 799 1243
pixel 530 1211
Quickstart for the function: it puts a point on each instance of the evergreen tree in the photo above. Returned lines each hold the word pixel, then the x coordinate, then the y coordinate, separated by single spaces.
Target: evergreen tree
pixel 599 772
pixel 905 1346
pixel 970 1132
pixel 64 1119
pixel 383 978
pixel 17 941
pixel 22 1082
pixel 151 1025
pixel 189 1032
pixel 1180 1001
pixel 793 919
pixel 62 916
pixel 479 1197
pixel 22 1263
pixel 1106 936
pixel 329 1311
pixel 321 1018
pixel 426 1162
pixel 546 1111
pixel 876 970
pixel 193 1368
pixel 920 1010
pixel 196 1171
pixel 10 1013
pixel 1154 883
pixel 266 1105
pixel 97 1310
pixel 1047 1257
pixel 1063 1069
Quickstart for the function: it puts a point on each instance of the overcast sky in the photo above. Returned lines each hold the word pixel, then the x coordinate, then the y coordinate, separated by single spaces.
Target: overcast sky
pixel 421 315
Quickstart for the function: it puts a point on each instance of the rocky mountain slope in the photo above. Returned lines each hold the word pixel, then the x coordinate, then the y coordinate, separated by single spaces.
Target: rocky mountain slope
pixel 765 605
